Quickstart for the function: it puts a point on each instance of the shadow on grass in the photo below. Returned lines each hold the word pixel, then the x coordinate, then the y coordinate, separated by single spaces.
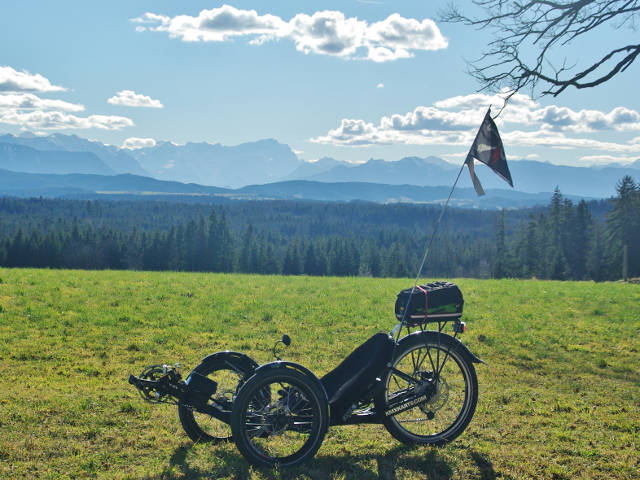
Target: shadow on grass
pixel 234 467
pixel 428 465
pixel 485 467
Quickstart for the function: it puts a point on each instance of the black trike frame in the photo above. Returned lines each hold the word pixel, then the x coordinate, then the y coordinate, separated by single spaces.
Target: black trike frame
pixel 169 387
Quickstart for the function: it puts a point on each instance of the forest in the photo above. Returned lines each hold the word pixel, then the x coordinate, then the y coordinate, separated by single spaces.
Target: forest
pixel 560 241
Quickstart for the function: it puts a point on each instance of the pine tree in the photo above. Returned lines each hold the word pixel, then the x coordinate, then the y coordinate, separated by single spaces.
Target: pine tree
pixel 500 253
pixel 623 225
pixel 595 256
pixel 247 253
pixel 556 262
pixel 292 264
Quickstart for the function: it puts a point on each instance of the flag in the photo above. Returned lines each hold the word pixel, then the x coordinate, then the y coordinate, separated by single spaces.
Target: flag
pixel 488 149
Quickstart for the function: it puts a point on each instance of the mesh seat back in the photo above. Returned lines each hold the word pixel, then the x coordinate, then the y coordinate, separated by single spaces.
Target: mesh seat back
pixel 346 383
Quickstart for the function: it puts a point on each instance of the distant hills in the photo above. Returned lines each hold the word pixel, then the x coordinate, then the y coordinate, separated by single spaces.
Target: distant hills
pixel 430 171
pixel 528 176
pixel 251 167
pixel 127 186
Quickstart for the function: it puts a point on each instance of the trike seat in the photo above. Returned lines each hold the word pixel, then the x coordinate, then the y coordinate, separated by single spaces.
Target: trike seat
pixel 345 383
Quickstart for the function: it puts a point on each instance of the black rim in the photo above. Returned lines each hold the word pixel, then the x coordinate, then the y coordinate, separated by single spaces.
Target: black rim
pixel 282 419
pixel 227 380
pixel 443 378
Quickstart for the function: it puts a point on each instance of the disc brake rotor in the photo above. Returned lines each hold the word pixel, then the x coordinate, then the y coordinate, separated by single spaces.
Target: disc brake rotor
pixel 438 399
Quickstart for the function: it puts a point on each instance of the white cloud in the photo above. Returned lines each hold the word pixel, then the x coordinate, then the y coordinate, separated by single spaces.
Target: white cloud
pixel 29 101
pixel 134 143
pixel 30 111
pixel 380 85
pixel 325 32
pixel 524 110
pixel 453 157
pixel 606 159
pixel 545 138
pixel 454 121
pixel 56 120
pixel 477 100
pixel 563 118
pixel 431 118
pixel 12 80
pixel 398 36
pixel 129 98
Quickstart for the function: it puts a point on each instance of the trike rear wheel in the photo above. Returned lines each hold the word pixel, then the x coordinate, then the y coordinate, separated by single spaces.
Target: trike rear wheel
pixel 448 379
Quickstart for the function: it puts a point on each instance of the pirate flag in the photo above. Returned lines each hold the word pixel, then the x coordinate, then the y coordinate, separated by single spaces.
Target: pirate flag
pixel 487 148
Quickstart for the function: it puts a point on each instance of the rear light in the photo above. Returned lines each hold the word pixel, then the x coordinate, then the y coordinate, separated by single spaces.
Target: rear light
pixel 459 327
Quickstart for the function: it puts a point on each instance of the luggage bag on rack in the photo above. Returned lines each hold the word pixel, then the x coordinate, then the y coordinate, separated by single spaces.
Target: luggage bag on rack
pixel 433 302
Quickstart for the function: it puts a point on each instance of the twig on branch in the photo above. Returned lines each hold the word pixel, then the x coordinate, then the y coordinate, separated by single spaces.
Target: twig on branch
pixel 519 26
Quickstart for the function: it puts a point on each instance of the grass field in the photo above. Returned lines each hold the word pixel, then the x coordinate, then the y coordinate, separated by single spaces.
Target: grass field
pixel 559 396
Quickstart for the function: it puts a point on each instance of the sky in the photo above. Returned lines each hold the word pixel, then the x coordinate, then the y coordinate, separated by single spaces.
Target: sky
pixel 352 80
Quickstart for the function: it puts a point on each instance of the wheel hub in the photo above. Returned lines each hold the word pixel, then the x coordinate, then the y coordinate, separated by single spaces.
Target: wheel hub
pixel 439 397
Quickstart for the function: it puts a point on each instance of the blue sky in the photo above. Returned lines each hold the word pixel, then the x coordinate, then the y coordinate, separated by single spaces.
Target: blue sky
pixel 132 73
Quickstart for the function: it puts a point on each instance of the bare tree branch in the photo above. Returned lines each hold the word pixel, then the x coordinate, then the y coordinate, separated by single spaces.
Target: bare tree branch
pixel 521 26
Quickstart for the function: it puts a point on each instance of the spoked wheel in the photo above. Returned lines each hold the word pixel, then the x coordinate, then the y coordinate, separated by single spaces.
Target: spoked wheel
pixel 440 386
pixel 280 416
pixel 228 369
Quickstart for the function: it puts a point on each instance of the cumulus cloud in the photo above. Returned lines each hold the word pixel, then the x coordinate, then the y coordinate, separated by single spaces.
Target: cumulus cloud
pixel 29 101
pixel 19 106
pixel 326 32
pixel 134 143
pixel 12 80
pixel 607 159
pixel 454 121
pixel 380 85
pixel 56 120
pixel 431 118
pixel 563 118
pixel 129 98
pixel 477 100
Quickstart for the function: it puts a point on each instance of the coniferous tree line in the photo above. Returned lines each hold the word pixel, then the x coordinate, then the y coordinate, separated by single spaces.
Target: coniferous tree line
pixel 563 241
pixel 567 242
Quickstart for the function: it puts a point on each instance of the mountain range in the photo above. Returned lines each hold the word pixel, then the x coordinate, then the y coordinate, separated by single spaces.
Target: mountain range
pixel 26 159
pixel 252 165
pixel 116 159
pixel 263 161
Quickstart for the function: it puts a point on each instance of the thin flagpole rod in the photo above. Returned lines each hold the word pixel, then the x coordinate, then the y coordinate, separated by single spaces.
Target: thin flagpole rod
pixel 444 207
pixel 426 254
pixel 435 230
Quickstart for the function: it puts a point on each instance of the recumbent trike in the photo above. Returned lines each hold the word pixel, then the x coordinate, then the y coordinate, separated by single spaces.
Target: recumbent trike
pixel 422 387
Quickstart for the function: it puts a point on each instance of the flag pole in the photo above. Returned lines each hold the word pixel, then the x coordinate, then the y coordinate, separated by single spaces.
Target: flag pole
pixel 473 153
pixel 444 207
pixel 426 254
pixel 435 230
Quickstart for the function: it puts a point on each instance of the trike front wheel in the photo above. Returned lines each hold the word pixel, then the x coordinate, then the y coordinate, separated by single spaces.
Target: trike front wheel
pixel 280 417
pixel 228 370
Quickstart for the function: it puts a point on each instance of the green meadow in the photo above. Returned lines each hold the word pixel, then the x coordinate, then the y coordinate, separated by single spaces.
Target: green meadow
pixel 559 394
